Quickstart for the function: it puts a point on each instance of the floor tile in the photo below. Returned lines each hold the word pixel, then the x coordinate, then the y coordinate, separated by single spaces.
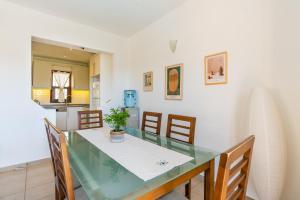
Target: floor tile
pixel 40 162
pixel 197 195
pixel 197 181
pixel 18 196
pixel 14 167
pixel 12 182
pixel 50 197
pixel 39 174
pixel 40 192
pixel 12 176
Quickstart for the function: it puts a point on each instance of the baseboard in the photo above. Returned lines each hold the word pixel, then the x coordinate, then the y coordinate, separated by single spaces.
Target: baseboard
pixel 22 165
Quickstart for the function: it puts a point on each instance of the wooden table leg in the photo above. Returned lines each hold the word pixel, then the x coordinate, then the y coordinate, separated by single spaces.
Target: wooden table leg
pixel 209 181
pixel 188 189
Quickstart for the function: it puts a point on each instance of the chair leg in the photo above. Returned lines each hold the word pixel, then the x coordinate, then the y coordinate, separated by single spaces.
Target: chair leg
pixel 188 189
pixel 56 194
pixel 59 195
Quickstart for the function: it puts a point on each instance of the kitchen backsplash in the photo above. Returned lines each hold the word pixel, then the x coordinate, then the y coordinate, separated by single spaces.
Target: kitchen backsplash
pixel 78 96
pixel 81 96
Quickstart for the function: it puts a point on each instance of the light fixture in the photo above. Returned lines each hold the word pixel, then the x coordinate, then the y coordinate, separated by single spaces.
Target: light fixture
pixel 173 45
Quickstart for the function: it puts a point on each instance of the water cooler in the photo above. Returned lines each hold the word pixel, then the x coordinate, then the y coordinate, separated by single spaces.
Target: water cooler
pixel 130 101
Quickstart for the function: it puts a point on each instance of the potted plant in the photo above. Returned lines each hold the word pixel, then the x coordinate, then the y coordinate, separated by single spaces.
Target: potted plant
pixel 116 120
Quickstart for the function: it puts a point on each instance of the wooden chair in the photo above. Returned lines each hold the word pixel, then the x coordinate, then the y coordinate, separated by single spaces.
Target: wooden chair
pixel 234 170
pixel 155 123
pixel 63 180
pixel 47 126
pixel 90 119
pixel 188 135
pixel 184 136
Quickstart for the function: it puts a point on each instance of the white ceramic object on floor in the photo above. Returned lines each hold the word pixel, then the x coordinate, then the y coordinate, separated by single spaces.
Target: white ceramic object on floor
pixel 269 154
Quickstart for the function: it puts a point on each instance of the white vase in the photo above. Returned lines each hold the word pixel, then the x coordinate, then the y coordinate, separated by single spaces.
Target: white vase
pixel 117 136
pixel 269 154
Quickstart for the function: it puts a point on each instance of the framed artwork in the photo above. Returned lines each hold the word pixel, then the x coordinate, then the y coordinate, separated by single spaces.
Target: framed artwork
pixel 148 81
pixel 174 82
pixel 216 69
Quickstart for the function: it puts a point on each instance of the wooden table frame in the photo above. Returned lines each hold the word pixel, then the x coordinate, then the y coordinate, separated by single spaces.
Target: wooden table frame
pixel 208 168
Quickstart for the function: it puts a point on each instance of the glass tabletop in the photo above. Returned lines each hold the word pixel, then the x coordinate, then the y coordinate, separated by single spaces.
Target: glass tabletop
pixel 103 178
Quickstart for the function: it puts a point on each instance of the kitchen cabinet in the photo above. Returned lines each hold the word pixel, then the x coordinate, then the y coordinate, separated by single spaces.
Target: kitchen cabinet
pixel 95 65
pixel 72 117
pixel 61 119
pixel 80 76
pixel 41 73
pixel 66 117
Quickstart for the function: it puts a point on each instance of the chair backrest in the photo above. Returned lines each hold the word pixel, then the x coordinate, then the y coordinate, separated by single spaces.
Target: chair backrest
pixel 47 126
pixel 63 181
pixel 90 119
pixel 234 170
pixel 151 122
pixel 179 131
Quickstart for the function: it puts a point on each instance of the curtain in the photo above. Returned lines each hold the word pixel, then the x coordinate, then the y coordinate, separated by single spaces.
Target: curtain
pixel 61 80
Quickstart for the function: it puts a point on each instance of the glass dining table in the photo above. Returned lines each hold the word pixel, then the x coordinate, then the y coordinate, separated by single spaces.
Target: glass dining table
pixel 103 178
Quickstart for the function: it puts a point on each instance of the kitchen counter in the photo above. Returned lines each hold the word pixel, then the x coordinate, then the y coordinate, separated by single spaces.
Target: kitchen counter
pixel 66 114
pixel 63 105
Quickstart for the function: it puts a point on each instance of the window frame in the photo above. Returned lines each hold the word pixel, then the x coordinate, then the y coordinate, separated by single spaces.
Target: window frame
pixel 69 89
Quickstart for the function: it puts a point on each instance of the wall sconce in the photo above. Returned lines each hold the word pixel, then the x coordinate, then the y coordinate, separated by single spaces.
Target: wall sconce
pixel 173 45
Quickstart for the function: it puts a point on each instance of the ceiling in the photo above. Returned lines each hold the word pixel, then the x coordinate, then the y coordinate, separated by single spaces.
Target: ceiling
pixel 52 51
pixel 122 17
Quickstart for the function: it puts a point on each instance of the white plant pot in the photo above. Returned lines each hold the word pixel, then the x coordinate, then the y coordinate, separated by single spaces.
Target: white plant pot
pixel 117 136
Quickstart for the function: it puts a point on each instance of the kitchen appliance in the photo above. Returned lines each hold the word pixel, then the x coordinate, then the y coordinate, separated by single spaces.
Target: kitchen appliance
pixel 66 116
pixel 134 119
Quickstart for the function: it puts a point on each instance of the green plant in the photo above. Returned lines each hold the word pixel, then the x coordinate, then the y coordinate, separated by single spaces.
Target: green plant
pixel 117 118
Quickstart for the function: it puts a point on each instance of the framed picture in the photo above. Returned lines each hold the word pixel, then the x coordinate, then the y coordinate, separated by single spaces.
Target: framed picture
pixel 148 81
pixel 216 69
pixel 174 82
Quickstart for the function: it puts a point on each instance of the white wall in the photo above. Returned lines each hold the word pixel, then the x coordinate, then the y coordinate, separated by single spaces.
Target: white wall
pixel 22 130
pixel 202 28
pixel 285 73
pixel 106 82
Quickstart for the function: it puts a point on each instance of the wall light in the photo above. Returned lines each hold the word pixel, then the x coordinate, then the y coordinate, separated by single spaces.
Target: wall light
pixel 173 45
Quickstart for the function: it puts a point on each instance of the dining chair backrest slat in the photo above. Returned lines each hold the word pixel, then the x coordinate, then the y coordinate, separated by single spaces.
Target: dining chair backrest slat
pixel 90 119
pixel 234 170
pixel 47 126
pixel 151 122
pixel 60 158
pixel 183 132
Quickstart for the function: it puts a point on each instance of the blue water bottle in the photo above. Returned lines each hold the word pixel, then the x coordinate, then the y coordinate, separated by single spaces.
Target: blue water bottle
pixel 129 98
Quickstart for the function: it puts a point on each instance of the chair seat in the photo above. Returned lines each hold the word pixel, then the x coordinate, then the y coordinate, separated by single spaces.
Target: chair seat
pixel 174 195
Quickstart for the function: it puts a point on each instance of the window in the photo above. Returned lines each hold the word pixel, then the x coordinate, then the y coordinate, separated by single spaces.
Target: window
pixel 60 87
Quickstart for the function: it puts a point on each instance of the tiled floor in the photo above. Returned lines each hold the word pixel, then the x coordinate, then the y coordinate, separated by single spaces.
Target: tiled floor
pixel 31 182
pixel 35 182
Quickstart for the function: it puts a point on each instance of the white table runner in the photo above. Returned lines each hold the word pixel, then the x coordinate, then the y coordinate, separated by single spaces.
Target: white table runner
pixel 140 157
